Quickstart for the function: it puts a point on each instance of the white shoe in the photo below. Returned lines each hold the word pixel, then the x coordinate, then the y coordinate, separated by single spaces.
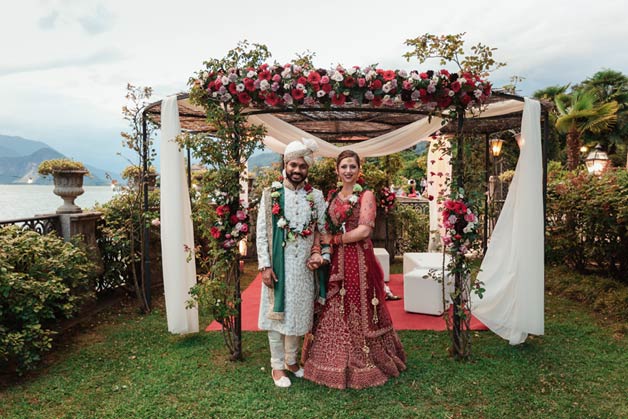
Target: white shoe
pixel 282 381
pixel 298 373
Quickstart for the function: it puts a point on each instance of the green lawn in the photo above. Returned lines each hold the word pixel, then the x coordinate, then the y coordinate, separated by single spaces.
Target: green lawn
pixel 128 366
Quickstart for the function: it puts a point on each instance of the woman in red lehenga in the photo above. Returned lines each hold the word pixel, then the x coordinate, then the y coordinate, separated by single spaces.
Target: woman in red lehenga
pixel 354 342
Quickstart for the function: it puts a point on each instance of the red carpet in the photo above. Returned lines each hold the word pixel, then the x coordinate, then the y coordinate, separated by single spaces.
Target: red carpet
pixel 402 320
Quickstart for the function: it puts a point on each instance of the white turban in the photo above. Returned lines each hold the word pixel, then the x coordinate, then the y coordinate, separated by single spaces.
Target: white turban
pixel 301 148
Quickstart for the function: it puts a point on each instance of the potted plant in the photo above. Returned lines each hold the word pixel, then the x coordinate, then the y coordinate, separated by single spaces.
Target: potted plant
pixel 133 175
pixel 68 180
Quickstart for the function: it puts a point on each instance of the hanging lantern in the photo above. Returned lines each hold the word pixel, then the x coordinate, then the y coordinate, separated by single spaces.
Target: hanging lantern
pixel 496 146
pixel 596 161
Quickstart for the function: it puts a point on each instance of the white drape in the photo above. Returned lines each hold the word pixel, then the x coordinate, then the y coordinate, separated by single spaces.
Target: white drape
pixel 438 172
pixel 280 133
pixel 513 267
pixel 176 225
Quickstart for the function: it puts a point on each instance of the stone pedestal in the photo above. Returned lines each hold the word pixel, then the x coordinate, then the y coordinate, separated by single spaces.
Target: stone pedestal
pixel 83 224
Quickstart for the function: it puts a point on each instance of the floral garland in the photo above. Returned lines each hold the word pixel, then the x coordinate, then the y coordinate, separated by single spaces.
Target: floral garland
pixel 386 199
pixel 292 85
pixel 291 232
pixel 229 228
pixel 460 225
pixel 330 226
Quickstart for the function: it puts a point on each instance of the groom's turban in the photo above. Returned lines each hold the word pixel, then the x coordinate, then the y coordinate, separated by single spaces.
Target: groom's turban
pixel 301 148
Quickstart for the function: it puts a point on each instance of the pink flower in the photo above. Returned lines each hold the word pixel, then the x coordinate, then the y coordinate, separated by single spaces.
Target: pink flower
pixel 361 82
pixel 241 215
pixel 244 228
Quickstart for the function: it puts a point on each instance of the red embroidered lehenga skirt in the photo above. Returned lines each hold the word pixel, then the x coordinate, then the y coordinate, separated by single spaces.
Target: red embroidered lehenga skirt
pixel 354 343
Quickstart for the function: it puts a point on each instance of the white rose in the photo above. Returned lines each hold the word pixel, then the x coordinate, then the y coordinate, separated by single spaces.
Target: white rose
pixel 251 74
pixel 353 199
pixel 264 85
pixel 240 87
pixel 281 223
pixel 320 93
pixel 224 80
pixel 387 87
pixel 277 185
pixel 451 93
pixel 337 76
pixel 403 73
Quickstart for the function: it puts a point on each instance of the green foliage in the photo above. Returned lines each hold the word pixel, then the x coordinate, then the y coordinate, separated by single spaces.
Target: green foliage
pixel 450 48
pixel 120 239
pixel 412 227
pixel 48 167
pixel 587 220
pixel 322 175
pixel 42 279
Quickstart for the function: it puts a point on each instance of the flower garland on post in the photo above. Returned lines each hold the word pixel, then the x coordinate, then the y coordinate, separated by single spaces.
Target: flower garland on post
pixel 461 235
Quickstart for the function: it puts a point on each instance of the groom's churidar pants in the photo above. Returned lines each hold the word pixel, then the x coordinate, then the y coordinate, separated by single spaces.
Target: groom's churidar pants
pixel 283 349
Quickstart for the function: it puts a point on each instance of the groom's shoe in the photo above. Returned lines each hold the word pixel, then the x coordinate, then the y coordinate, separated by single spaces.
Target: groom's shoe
pixel 280 381
pixel 295 369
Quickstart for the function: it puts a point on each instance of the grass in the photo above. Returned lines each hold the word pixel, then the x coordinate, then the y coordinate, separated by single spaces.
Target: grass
pixel 128 366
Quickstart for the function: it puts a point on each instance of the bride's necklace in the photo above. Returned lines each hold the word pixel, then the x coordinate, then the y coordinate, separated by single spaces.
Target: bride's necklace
pixel 353 199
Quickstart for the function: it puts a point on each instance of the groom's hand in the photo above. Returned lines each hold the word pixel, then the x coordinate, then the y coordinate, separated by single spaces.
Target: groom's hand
pixel 314 262
pixel 269 278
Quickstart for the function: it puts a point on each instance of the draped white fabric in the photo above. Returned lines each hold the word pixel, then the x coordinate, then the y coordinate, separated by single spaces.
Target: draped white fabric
pixel 280 133
pixel 513 267
pixel 176 225
pixel 438 172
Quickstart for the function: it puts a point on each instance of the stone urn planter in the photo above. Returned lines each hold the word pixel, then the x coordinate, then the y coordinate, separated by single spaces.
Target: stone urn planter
pixel 68 180
pixel 68 185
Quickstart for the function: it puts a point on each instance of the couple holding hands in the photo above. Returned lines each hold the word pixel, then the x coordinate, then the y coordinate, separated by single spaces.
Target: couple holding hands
pixel 299 234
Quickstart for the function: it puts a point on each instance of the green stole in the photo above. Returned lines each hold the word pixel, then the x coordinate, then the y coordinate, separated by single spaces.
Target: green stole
pixel 279 268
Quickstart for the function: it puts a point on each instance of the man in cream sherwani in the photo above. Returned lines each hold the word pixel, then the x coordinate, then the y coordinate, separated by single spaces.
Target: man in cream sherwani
pixel 289 214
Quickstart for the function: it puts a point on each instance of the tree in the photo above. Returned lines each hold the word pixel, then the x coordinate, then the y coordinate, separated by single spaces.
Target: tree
pixel 579 113
pixel 609 85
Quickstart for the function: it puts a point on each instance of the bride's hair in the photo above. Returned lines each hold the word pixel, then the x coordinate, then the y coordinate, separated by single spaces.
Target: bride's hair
pixel 346 154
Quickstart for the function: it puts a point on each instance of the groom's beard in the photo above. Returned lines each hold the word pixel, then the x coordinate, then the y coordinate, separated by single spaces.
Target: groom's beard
pixel 296 177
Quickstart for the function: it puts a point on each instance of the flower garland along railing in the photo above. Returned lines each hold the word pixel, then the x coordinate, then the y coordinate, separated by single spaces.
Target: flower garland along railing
pixel 292 85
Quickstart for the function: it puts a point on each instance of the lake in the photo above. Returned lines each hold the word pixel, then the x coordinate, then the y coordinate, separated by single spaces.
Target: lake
pixel 24 201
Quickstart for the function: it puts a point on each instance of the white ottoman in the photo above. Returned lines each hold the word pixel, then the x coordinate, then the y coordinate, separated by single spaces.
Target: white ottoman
pixel 382 256
pixel 425 295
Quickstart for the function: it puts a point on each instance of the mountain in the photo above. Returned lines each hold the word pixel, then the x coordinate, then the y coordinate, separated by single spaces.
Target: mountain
pixel 263 159
pixel 20 157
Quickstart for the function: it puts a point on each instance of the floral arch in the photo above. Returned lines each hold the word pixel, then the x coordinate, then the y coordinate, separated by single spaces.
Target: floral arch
pixel 386 110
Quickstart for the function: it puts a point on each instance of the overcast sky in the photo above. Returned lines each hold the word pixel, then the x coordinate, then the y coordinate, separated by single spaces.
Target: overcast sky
pixel 65 63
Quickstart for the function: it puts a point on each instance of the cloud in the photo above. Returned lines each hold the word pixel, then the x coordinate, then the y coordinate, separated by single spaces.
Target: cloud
pixel 49 21
pixel 107 55
pixel 101 20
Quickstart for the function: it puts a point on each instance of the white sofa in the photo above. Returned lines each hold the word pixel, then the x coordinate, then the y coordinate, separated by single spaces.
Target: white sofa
pixel 420 294
pixel 382 256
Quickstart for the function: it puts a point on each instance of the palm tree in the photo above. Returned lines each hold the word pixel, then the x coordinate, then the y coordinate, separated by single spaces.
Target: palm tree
pixel 609 85
pixel 579 113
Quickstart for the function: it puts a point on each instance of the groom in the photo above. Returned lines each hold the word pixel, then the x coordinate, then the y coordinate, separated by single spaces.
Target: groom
pixel 290 213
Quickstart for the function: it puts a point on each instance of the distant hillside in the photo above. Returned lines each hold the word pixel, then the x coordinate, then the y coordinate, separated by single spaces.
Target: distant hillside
pixel 19 159
pixel 18 146
pixel 264 159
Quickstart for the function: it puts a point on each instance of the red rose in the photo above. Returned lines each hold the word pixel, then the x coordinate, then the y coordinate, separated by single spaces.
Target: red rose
pixel 455 86
pixel 222 210
pixel 306 232
pixel 244 98
pixel 313 77
pixel 272 99
pixel 326 87
pixel 465 99
pixel 338 99
pixel 315 86
pixel 215 232
pixel 297 94
pixel 249 85
pixel 376 84
pixel 276 209
pixel 233 219
pixel 423 76
pixel 302 80
pixel 388 75
pixel 232 89
pixel 377 101
pixel 457 237
pixel 348 81
pixel 264 75
pixel 307 187
pixel 444 72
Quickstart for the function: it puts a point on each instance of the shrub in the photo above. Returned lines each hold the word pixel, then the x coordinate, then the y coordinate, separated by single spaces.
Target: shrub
pixel 587 218
pixel 48 167
pixel 42 279
pixel 412 227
